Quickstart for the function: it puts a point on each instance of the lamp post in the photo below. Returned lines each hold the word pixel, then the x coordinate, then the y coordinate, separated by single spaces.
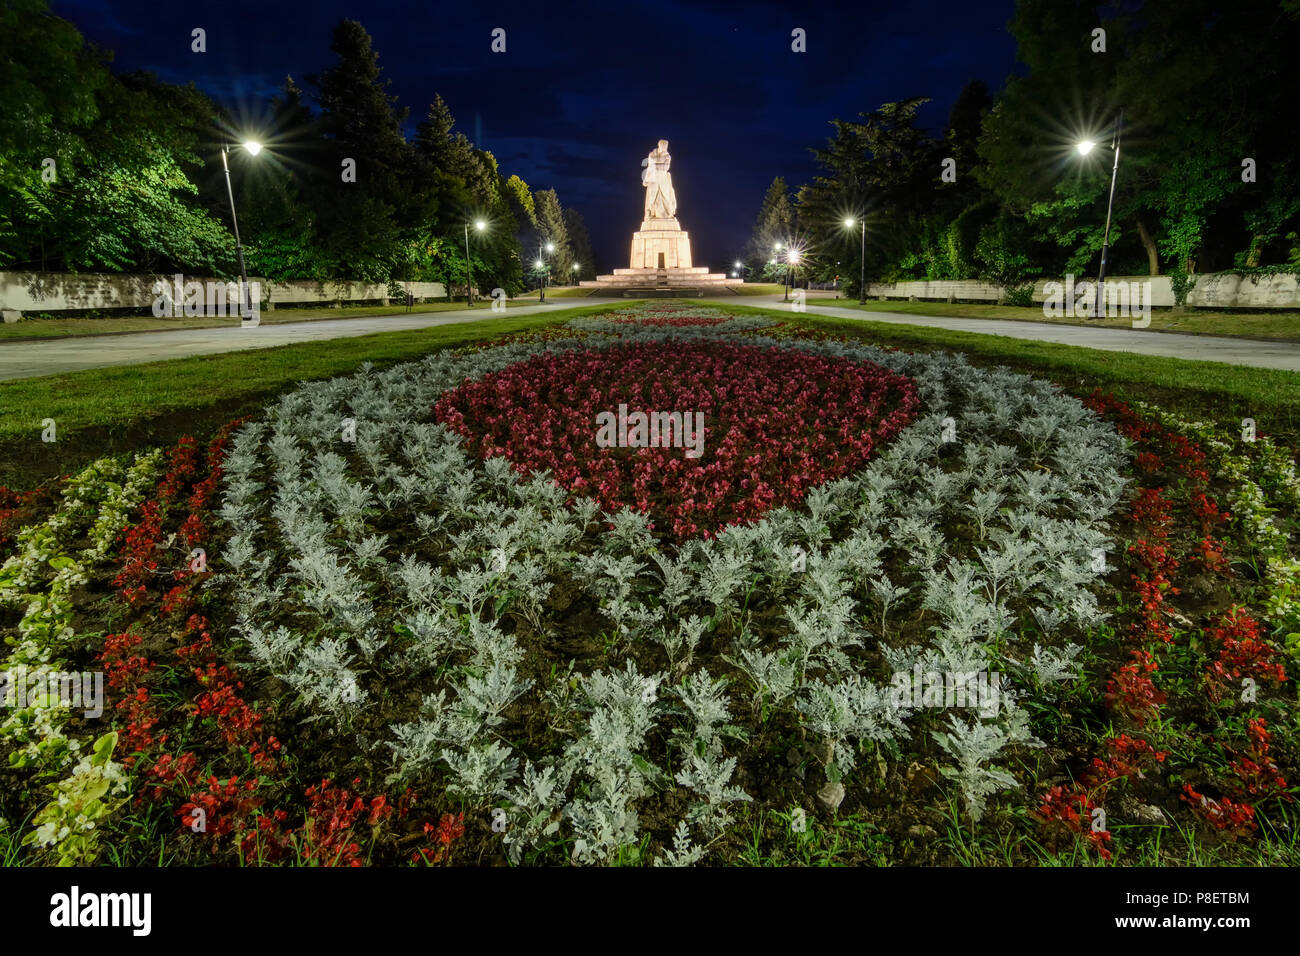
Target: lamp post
pixel 862 269
pixel 480 225
pixel 1084 148
pixel 791 260
pixel 545 269
pixel 252 147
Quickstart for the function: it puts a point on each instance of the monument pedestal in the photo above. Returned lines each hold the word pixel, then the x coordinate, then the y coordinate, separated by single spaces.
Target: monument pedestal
pixel 661 244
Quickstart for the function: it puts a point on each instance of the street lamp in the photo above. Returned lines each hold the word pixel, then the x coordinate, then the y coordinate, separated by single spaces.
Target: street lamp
pixel 862 269
pixel 480 225
pixel 574 269
pixel 1085 147
pixel 791 260
pixel 252 147
pixel 542 268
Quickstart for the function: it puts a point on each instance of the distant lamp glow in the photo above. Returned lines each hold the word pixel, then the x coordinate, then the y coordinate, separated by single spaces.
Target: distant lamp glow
pixel 739 264
pixel 850 223
pixel 480 225
pixel 550 247
pixel 794 256
pixel 539 263
pixel 253 147
pixel 1085 147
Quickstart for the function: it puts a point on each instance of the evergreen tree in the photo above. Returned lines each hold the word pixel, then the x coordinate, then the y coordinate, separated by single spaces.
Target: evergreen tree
pixel 580 241
pixel 552 229
pixel 774 224
pixel 363 225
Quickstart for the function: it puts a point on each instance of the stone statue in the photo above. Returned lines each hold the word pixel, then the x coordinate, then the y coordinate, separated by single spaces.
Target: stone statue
pixel 660 200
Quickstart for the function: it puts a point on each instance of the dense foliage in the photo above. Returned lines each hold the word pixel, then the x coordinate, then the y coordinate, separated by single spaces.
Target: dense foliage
pixel 109 172
pixel 1202 89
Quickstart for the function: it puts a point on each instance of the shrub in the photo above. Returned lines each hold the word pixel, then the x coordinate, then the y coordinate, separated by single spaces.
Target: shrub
pixel 1181 284
pixel 1018 295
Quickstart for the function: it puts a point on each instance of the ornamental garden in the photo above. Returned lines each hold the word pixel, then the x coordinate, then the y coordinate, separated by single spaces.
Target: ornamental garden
pixel 665 585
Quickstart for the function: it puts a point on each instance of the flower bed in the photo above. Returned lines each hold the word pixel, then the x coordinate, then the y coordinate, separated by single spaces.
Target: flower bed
pixel 411 572
pixel 434 579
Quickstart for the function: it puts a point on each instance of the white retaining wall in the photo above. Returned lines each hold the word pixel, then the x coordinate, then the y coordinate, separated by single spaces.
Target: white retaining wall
pixel 1219 290
pixel 22 292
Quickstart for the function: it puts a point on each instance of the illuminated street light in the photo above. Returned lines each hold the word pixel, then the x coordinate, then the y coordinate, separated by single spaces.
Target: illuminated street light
pixel 1084 148
pixel 479 225
pixel 791 260
pixel 252 147
pixel 862 268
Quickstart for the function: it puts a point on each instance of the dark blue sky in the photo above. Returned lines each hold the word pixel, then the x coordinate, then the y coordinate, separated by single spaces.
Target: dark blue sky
pixel 584 90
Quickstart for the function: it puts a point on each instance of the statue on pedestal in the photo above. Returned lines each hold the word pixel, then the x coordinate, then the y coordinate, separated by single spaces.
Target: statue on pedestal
pixel 660 199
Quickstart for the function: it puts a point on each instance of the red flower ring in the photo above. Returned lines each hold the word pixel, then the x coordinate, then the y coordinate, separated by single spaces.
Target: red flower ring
pixel 776 423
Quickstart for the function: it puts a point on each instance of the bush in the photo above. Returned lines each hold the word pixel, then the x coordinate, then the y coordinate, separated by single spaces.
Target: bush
pixel 1181 283
pixel 1018 295
pixel 1001 253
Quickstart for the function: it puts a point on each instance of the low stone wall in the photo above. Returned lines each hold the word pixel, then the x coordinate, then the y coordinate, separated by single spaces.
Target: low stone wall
pixel 50 292
pixel 1219 290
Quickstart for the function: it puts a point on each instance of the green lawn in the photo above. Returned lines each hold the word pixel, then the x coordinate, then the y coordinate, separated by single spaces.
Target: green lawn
pixel 1270 325
pixel 559 292
pixel 82 325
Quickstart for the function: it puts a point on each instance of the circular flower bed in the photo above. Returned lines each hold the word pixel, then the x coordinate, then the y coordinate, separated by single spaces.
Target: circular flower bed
pixel 518 644
pixel 774 423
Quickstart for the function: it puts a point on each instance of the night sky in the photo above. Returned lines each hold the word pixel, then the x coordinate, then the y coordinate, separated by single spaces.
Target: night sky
pixel 585 90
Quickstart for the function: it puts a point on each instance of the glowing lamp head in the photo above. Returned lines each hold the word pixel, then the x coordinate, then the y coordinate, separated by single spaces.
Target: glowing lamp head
pixel 550 247
pixel 253 147
pixel 850 222
pixel 1085 147
pixel 480 225
pixel 539 263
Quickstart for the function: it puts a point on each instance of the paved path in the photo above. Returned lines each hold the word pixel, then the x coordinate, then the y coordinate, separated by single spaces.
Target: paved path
pixel 1209 348
pixel 51 356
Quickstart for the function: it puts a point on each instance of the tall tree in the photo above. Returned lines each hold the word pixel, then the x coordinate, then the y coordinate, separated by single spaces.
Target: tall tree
pixel 364 223
pixel 580 241
pixel 775 223
pixel 552 229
